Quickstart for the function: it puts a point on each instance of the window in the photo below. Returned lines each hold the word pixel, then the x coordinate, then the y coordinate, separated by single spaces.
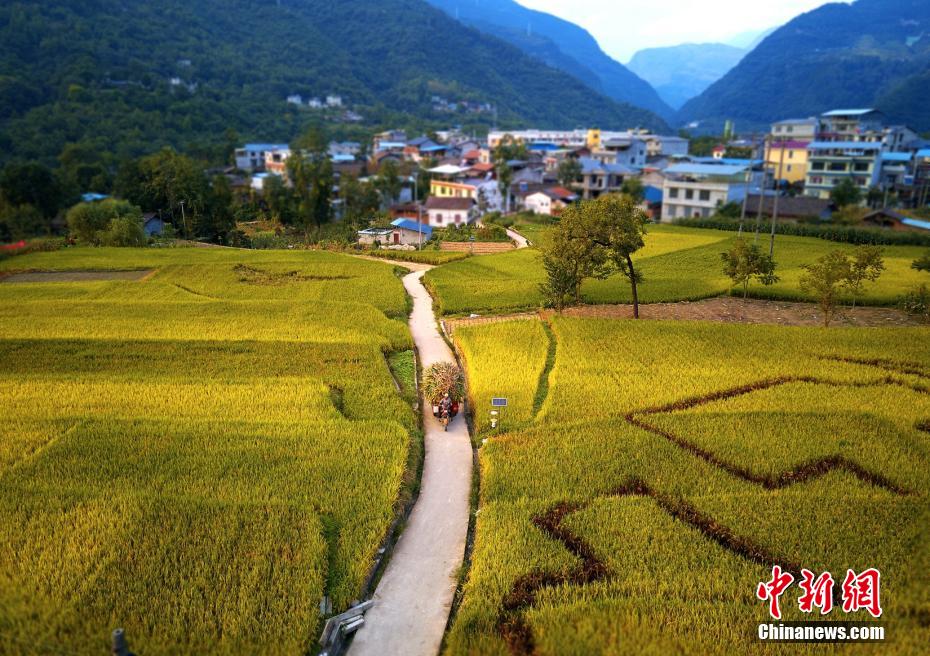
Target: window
pixel 790 154
pixel 817 166
pixel 861 166
pixel 816 179
pixel 673 193
pixel 458 218
pixel 790 128
pixel 837 166
pixel 689 194
pixel 705 195
pixel 439 219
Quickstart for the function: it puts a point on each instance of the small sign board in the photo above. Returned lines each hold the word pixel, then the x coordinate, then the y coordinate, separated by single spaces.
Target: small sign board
pixel 499 403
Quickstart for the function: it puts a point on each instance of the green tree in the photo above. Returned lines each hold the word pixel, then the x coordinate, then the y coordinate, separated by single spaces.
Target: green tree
pixel 633 187
pixel 570 255
pixel 745 261
pixel 388 182
pixel 89 223
pixel 32 184
pixel 124 231
pixel 846 193
pixel 360 200
pixel 824 279
pixel 569 172
pixel 20 222
pixel 508 150
pixel 312 177
pixel 620 226
pixel 866 265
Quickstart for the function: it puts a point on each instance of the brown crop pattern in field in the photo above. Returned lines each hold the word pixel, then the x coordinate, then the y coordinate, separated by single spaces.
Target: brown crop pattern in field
pixel 803 472
pixel 512 624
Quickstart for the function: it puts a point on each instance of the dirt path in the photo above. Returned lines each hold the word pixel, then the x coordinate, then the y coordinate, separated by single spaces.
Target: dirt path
pixel 723 309
pixel 415 594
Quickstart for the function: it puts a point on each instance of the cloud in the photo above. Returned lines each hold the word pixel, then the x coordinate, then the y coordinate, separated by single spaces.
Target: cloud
pixel 624 26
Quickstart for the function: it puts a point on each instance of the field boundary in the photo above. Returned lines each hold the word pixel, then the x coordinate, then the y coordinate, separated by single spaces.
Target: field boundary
pixel 511 623
pixel 800 474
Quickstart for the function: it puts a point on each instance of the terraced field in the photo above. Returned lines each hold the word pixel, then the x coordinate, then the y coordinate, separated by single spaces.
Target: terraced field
pixel 652 473
pixel 200 456
pixel 680 264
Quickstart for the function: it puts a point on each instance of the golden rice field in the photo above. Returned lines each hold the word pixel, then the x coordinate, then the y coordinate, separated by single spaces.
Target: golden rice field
pixel 672 463
pixel 679 264
pixel 200 456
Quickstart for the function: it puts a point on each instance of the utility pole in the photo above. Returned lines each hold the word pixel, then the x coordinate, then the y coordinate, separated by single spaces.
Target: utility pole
pixel 187 232
pixel 781 163
pixel 752 162
pixel 761 199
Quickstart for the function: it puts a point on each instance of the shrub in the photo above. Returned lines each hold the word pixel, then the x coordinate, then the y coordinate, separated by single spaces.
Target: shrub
pixel 124 231
pixel 917 303
pixel 828 231
pixel 90 223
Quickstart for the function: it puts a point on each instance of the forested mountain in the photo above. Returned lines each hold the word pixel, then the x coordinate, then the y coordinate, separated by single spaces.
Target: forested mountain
pixel 560 44
pixel 679 73
pixel 128 77
pixel 872 53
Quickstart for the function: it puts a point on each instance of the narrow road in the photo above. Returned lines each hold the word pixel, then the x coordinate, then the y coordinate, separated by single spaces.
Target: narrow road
pixel 518 238
pixel 413 599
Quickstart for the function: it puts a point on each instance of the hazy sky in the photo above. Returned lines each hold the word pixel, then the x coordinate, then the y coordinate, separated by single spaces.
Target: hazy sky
pixel 624 26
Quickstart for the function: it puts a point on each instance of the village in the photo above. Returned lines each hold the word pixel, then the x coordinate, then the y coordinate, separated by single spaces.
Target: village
pixel 845 163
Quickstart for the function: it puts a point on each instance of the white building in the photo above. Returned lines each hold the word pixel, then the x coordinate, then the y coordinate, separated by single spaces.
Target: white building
pixel 550 202
pixel 450 212
pixel 697 190
pixel 251 157
pixel 796 129
pixel 334 101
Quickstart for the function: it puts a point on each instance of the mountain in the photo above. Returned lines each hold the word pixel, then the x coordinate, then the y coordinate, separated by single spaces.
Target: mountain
pixel 129 77
pixel 680 73
pixel 560 44
pixel 872 53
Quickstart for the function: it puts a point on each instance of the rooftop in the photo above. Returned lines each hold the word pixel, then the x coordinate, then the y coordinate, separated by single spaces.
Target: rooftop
pixel 413 226
pixel 844 145
pixel 724 170
pixel 437 203
pixel 849 112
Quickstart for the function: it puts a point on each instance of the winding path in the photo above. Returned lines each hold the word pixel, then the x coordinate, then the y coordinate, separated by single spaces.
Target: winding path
pixel 413 599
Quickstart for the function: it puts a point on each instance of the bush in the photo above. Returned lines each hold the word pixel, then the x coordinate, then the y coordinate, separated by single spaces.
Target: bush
pixel 268 241
pixel 829 232
pixel 92 223
pixel 124 232
pixel 917 303
pixel 485 233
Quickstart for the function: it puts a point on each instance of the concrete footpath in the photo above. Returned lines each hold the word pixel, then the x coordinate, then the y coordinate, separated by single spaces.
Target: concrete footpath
pixel 414 597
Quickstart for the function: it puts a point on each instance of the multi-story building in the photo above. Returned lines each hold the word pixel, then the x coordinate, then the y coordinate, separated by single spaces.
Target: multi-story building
pixel 629 151
pixel 598 178
pixel 251 157
pixel 852 125
pixel 787 159
pixel 276 161
pixel 796 129
pixel 696 190
pixel 664 146
pixel 831 162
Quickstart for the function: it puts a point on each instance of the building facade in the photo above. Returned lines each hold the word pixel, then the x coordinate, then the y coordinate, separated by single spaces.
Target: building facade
pixel 831 162
pixel 787 159
pixel 697 190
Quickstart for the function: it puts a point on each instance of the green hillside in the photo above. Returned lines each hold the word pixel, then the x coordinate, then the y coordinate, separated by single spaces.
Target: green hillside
pixel 871 53
pixel 99 72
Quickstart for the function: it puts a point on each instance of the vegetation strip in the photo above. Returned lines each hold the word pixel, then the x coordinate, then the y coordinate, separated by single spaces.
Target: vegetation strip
pixel 805 472
pixel 512 624
pixel 542 391
pixel 906 368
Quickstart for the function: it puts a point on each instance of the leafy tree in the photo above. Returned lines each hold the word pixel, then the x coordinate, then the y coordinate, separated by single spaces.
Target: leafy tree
pixel 91 223
pixel 20 222
pixel 389 182
pixel 570 255
pixel 312 177
pixel 745 261
pixel 824 279
pixel 32 184
pixel 360 199
pixel 866 265
pixel 279 199
pixel 846 193
pixel 731 210
pixel 633 187
pixel 508 150
pixel 620 227
pixel 917 303
pixel 124 231
pixel 569 172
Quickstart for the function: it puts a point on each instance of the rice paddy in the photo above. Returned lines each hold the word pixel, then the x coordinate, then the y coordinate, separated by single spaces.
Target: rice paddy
pixel 201 456
pixel 672 464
